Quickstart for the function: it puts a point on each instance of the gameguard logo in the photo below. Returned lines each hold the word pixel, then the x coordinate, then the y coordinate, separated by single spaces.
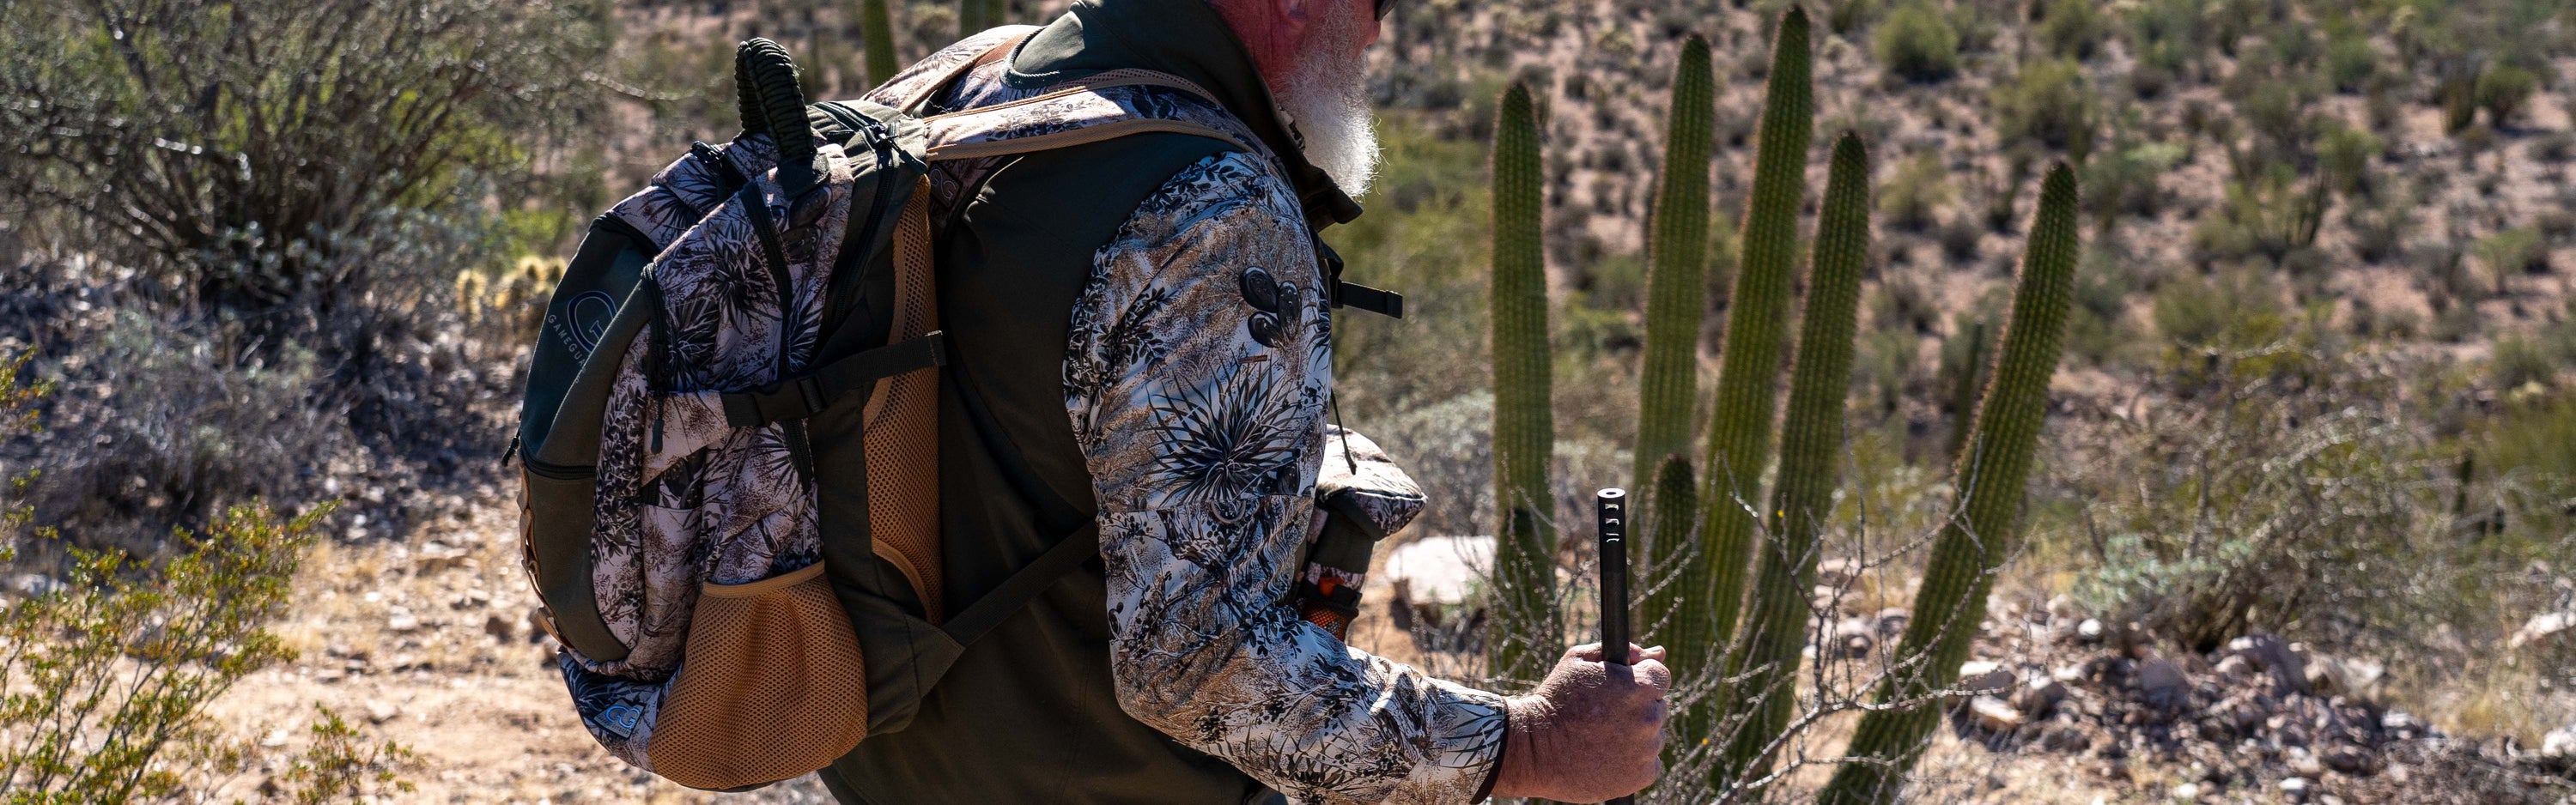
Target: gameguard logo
pixel 582 321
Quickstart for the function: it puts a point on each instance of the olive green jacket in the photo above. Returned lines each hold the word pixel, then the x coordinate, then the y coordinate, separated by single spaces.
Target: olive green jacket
pixel 1140 340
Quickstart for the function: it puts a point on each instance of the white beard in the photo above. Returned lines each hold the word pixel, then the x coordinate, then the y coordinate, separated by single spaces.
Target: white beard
pixel 1328 97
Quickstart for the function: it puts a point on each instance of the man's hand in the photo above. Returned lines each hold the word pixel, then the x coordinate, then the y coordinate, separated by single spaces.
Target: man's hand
pixel 1592 731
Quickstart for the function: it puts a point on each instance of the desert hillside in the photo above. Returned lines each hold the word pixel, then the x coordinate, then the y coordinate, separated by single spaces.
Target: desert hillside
pixel 2298 528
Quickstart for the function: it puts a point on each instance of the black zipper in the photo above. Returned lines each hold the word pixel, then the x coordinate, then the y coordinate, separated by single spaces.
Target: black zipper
pixel 557 472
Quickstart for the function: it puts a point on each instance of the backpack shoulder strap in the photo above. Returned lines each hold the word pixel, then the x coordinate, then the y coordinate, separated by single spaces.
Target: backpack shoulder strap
pixel 1085 110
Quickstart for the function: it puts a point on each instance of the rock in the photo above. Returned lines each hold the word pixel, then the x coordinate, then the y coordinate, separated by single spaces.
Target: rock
pixel 2038 696
pixel 1836 573
pixel 2558 748
pixel 2090 631
pixel 2401 726
pixel 436 556
pixel 1981 676
pixel 2186 792
pixel 2352 760
pixel 499 628
pixel 379 712
pixel 1993 714
pixel 1441 570
pixel 1854 637
pixel 2546 627
pixel 2305 762
pixel 2274 656
pixel 2294 789
pixel 2161 684
pixel 400 619
pixel 2346 677
pixel 2065 739
pixel 1892 620
pixel 2233 666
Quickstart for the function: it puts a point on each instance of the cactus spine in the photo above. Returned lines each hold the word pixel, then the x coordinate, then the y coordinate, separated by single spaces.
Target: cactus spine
pixel 1739 437
pixel 1676 291
pixel 1810 444
pixel 1993 469
pixel 876 26
pixel 1524 429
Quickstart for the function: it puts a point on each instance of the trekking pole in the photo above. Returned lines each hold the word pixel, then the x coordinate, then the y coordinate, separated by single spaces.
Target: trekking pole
pixel 1610 510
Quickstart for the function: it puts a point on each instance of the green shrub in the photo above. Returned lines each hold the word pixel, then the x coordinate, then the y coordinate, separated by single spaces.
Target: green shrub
pixel 284 186
pixel 2225 312
pixel 1916 43
pixel 2073 28
pixel 2503 91
pixel 2046 103
pixel 2519 362
pixel 2169 37
pixel 1914 197
pixel 2351 62
pixel 2512 252
pixel 2272 215
pixel 2265 501
pixel 2345 153
pixel 111 660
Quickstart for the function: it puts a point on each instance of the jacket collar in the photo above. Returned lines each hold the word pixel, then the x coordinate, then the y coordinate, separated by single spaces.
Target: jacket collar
pixel 1188 39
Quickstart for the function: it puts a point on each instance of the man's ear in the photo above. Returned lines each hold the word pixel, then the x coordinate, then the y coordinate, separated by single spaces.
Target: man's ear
pixel 1295 16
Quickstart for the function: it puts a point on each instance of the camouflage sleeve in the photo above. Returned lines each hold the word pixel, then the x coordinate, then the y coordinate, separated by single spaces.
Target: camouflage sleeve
pixel 1196 375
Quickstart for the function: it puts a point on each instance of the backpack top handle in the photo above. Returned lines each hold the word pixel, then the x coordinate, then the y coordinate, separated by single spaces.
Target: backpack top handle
pixel 773 103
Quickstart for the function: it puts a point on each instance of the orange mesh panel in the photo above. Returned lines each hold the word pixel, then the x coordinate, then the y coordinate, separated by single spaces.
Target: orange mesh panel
pixel 903 422
pixel 774 686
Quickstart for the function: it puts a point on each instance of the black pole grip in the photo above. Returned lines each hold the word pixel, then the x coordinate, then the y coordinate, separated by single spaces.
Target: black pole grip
pixel 1611 509
pixel 1610 517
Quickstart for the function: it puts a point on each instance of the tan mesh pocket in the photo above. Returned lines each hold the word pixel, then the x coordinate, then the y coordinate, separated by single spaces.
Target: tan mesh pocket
pixel 773 687
pixel 903 425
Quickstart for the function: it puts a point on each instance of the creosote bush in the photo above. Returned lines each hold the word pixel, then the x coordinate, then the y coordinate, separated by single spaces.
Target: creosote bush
pixel 2047 103
pixel 109 663
pixel 1916 44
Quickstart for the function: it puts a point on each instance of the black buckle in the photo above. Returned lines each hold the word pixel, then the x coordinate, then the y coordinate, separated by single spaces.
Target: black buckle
pixel 776 402
pixel 1374 300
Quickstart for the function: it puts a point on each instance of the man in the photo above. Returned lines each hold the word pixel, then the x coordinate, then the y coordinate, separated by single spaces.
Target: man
pixel 1140 339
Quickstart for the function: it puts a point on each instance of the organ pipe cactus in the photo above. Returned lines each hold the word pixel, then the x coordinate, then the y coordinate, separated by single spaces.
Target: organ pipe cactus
pixel 1524 429
pixel 1992 469
pixel 1676 288
pixel 1673 511
pixel 1810 442
pixel 1739 437
pixel 876 27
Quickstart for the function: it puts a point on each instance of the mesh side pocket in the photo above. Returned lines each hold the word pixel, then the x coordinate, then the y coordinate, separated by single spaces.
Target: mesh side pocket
pixel 773 686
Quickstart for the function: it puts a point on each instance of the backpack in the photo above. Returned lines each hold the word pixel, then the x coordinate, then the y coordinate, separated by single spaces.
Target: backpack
pixel 754 295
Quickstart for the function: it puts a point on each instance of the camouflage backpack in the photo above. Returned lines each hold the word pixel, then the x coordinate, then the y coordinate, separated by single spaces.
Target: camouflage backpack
pixel 746 348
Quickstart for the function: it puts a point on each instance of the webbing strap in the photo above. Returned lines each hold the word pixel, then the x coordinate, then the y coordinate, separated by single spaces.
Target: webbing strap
pixel 1081 136
pixel 996 606
pixel 809 395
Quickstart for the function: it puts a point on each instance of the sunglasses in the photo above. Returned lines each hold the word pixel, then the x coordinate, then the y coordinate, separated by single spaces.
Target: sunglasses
pixel 1383 7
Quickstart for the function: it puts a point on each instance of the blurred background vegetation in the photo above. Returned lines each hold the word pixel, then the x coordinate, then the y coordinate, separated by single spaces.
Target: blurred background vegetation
pixel 2316 381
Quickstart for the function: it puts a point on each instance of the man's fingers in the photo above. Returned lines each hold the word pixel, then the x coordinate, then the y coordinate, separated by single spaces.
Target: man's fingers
pixel 1654 675
pixel 1650 653
pixel 1588 652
